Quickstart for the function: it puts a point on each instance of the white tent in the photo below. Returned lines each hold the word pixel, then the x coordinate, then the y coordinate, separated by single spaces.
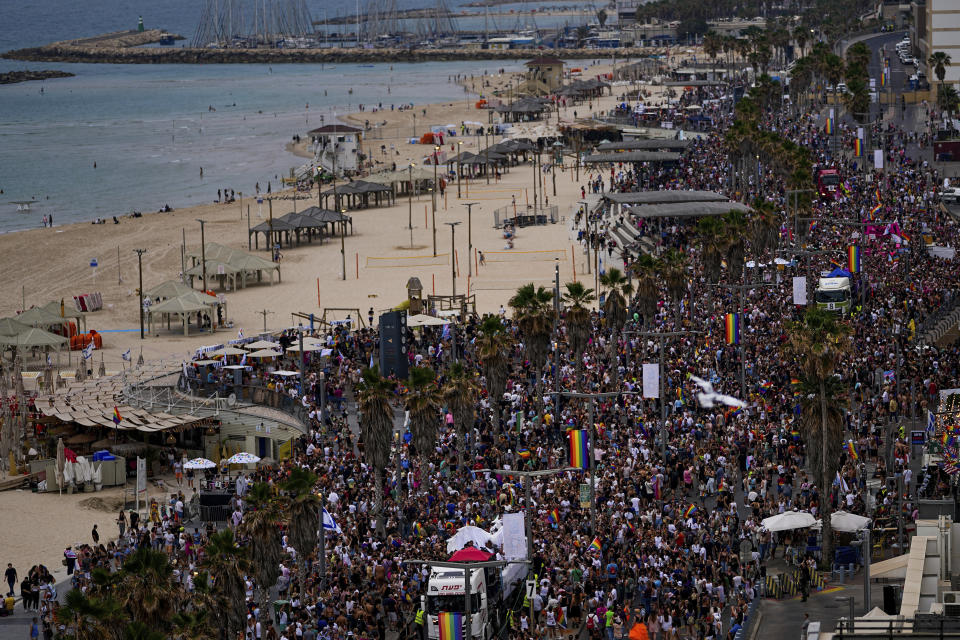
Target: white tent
pixel 423 320
pixel 466 534
pixel 789 520
pixel 848 522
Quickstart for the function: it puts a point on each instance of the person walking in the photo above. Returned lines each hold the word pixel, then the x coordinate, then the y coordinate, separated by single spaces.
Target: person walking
pixel 11 575
pixel 70 556
pixel 95 535
pixel 122 522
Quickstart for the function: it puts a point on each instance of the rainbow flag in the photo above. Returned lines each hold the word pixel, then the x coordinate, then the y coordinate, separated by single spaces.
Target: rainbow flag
pixel 595 545
pixel 451 625
pixel 682 398
pixel 631 525
pixel 732 413
pixel 813 225
pixel 523 453
pixel 116 416
pixel 732 328
pixel 836 264
pixel 852 450
pixel 857 147
pixel 828 129
pixel 874 211
pixel 561 617
pixel 553 516
pixel 418 529
pixel 692 509
pixel 795 434
pixel 794 381
pixel 723 486
pixel 765 386
pixel 883 78
pixel 578 448
pixel 853 259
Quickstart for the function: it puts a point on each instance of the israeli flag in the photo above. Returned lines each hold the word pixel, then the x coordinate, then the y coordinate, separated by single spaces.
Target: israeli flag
pixel 931 422
pixel 126 355
pixel 446 331
pixel 88 351
pixel 243 360
pixel 329 524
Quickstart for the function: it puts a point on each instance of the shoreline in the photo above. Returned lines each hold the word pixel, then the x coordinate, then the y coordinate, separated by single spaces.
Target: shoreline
pixel 59 52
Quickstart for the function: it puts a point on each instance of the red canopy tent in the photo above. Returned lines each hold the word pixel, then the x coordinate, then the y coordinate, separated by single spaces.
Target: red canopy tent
pixel 470 554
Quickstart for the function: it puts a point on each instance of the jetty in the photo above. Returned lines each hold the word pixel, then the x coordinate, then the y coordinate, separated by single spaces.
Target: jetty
pixel 13 77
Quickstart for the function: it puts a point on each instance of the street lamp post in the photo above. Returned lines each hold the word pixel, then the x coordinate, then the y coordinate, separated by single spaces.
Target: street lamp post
pixel 343 240
pixel 459 165
pixel 433 200
pixel 203 251
pixel 140 253
pixel 453 255
pixel 410 202
pixel 469 206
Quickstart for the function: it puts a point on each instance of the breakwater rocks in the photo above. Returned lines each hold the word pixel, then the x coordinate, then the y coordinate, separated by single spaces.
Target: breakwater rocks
pixel 12 77
pixel 63 52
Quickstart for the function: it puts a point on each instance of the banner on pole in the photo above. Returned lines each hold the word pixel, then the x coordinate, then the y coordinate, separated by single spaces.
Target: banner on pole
pixel 651 380
pixel 141 475
pixel 878 158
pixel 514 536
pixel 800 290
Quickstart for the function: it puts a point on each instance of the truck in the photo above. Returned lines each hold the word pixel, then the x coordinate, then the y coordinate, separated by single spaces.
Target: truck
pixel 828 181
pixel 834 295
pixel 490 597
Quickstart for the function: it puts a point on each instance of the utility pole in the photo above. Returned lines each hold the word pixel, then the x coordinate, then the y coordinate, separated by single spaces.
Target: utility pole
pixel 592 439
pixel 453 255
pixel 410 202
pixel 796 206
pixel 140 253
pixel 459 166
pixel 469 206
pixel 265 313
pixel 660 336
pixel 343 240
pixel 743 288
pixel 203 247
pixel 303 365
pixel 556 336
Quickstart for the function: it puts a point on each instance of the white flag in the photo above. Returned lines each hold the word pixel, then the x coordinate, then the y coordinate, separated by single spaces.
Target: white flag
pixel 800 290
pixel 651 380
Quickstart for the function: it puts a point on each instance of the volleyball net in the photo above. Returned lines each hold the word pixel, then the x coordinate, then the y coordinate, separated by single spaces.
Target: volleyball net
pixel 546 255
pixel 387 262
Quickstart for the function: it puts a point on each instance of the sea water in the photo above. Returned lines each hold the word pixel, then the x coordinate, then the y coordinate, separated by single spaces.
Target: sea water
pixel 121 138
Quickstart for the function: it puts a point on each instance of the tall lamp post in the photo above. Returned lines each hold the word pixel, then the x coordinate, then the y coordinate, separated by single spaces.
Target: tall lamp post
pixel 343 236
pixel 453 255
pixel 410 202
pixel 459 165
pixel 469 206
pixel 140 253
pixel 433 200
pixel 203 252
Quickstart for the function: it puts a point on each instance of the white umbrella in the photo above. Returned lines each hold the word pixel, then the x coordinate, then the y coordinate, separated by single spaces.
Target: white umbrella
pixel 307 347
pixel 199 463
pixel 243 458
pixel 848 522
pixel 789 520
pixel 226 351
pixel 265 353
pixel 423 320
pixel 260 344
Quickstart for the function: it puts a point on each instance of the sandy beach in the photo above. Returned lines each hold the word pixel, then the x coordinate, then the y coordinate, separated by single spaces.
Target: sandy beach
pixel 50 264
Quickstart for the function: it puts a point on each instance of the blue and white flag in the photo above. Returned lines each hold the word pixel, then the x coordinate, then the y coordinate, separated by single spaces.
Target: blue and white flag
pixel 126 355
pixel 446 331
pixel 329 524
pixel 88 351
pixel 243 360
pixel 931 422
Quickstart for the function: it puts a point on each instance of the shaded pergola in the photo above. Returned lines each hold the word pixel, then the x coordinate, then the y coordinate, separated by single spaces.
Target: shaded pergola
pixel 686 209
pixel 663 144
pixel 523 109
pixel 633 157
pixel 224 272
pixel 168 289
pixel 241 265
pixel 664 197
pixel 181 308
pixel 274 232
pixel 357 195
pixel 33 338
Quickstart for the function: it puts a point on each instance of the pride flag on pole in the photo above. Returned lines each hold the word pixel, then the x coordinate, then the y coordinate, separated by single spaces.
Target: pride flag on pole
pixel 578 448
pixel 451 625
pixel 829 126
pixel 857 147
pixel 852 450
pixel 732 328
pixel 853 259
pixel 595 545
pixel 116 416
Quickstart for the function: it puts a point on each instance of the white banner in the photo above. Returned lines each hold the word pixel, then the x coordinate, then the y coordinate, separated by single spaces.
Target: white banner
pixel 860 133
pixel 651 380
pixel 141 474
pixel 800 290
pixel 878 158
pixel 514 537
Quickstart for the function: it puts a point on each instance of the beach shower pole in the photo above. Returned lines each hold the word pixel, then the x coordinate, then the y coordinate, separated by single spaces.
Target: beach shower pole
pixel 140 253
pixel 470 236
pixel 203 248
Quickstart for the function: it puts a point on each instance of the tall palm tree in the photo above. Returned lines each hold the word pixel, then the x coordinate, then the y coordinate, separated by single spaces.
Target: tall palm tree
pixel 137 630
pixel 764 226
pixel 146 589
pixel 493 347
pixel 615 305
pixel 816 344
pixel 673 270
pixel 460 395
pixel 260 523
pixel 303 512
pixel 800 35
pixel 645 269
pixel 193 624
pixel 227 563
pixel 535 319
pixel 939 61
pixel 712 245
pixel 91 617
pixel 376 426
pixel 578 322
pixel 423 402
pixel 734 228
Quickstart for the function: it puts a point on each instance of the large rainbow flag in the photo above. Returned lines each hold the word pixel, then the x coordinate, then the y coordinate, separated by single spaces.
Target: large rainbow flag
pixel 732 328
pixel 451 626
pixel 853 259
pixel 578 448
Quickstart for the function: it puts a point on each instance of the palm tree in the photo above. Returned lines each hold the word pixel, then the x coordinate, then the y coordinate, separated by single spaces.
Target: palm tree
pixel 460 395
pixel 137 630
pixel 816 344
pixel 146 588
pixel 376 427
pixel 578 322
pixel 227 563
pixel 939 61
pixel 423 403
pixel 193 625
pixel 615 304
pixel 260 523
pixel 673 270
pixel 645 269
pixel 764 226
pixel 800 36
pixel 303 512
pixel 947 98
pixel 91 617
pixel 534 318
pixel 734 227
pixel 712 245
pixel 493 349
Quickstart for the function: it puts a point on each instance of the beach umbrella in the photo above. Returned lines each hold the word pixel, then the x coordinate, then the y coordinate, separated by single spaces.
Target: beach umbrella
pixel 789 520
pixel 265 353
pixel 199 463
pixel 61 461
pixel 848 522
pixel 226 351
pixel 243 458
pixel 423 320
pixel 260 344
